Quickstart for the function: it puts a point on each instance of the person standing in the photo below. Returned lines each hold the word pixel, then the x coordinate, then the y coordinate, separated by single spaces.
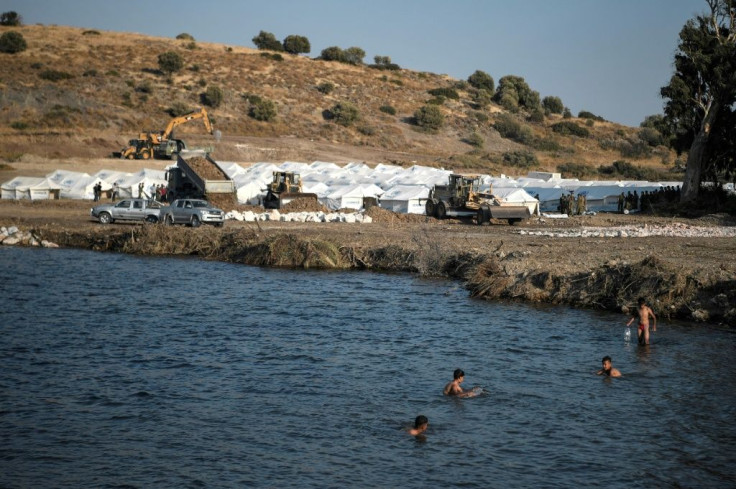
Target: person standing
pixel 644 313
pixel 140 190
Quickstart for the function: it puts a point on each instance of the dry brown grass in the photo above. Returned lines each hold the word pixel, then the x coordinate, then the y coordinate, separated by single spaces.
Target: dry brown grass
pixel 117 91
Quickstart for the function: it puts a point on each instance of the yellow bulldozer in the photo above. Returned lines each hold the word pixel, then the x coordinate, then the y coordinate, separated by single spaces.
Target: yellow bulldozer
pixel 162 144
pixel 285 187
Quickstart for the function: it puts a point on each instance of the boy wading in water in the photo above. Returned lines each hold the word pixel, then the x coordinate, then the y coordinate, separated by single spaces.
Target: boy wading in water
pixel 420 426
pixel 453 388
pixel 644 312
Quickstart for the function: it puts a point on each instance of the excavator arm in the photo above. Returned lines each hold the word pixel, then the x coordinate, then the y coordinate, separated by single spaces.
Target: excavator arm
pixel 176 121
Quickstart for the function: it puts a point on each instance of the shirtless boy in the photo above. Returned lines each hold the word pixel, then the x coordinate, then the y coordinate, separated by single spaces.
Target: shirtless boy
pixel 644 312
pixel 453 388
pixel 608 369
pixel 420 426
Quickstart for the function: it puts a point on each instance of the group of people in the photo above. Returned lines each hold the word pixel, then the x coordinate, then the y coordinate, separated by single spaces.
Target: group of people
pixel 452 388
pixel 571 205
pixel 643 313
pixel 633 201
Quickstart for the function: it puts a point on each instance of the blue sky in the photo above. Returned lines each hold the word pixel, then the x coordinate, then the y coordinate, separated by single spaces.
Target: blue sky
pixel 609 57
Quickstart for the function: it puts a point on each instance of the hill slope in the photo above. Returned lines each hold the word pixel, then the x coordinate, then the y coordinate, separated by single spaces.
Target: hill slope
pixel 109 87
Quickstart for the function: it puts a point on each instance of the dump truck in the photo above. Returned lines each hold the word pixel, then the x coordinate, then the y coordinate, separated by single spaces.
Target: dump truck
pixel 285 187
pixel 162 144
pixel 197 176
pixel 461 198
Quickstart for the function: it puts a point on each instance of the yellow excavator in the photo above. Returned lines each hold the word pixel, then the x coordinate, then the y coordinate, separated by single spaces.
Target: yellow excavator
pixel 161 144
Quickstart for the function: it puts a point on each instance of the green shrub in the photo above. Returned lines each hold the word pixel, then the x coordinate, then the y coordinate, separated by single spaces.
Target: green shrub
pixel 553 105
pixel 213 96
pixel 509 102
pixel 170 62
pixel 273 56
pixel 37 66
pixel 623 169
pixel 185 36
pixel 194 68
pixel 475 140
pixel 388 109
pixel 19 125
pixel 326 87
pixel 445 92
pixel 566 114
pixel 178 109
pixel 384 63
pixel 191 46
pixel 144 87
pixel 569 128
pixel 202 82
pixel 508 127
pixel 590 122
pixel 520 159
pixel 11 18
pixel 91 32
pixel 397 82
pixel 367 130
pixel 429 118
pixel 267 41
pixel 480 116
pixel 127 101
pixel 482 98
pixel 112 73
pixel 651 136
pixel 354 55
pixel 481 80
pixel 345 113
pixel 91 72
pixel 634 148
pixel 263 110
pixel 575 170
pixel 54 75
pixel 514 88
pixel 12 42
pixel 333 53
pixel 584 114
pixel 436 101
pixel 545 144
pixel 297 44
pixel 537 116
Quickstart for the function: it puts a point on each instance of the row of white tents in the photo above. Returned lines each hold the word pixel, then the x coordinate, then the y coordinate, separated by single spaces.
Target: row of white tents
pixel 402 190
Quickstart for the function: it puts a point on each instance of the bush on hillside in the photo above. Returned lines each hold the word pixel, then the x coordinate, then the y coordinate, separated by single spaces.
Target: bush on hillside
pixel 267 41
pixel 185 36
pixel 54 75
pixel 213 96
pixel 513 90
pixel 170 62
pixel 354 56
pixel 333 53
pixel 384 63
pixel 584 114
pixel 520 159
pixel 11 18
pixel 537 116
pixel 294 44
pixel 569 128
pixel 91 32
pixel 263 110
pixel 553 105
pixel 345 113
pixel 475 139
pixel 651 136
pixel 625 170
pixel 429 118
pixel 388 109
pixel 326 87
pixel 482 98
pixel 576 170
pixel 450 93
pixel 12 42
pixel 481 80
pixel 508 127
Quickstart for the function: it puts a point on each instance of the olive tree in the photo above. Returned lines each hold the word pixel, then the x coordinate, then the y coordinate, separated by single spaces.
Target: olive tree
pixel 553 105
pixel 170 62
pixel 267 41
pixel 12 42
pixel 297 44
pixel 481 80
pixel 11 18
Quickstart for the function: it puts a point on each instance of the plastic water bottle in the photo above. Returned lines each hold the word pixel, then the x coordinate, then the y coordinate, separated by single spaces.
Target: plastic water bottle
pixel 627 335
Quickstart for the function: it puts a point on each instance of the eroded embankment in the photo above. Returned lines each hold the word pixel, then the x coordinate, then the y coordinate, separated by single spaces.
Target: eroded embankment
pixel 608 286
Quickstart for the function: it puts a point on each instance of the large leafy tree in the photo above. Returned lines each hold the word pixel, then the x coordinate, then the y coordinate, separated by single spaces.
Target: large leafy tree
pixel 701 95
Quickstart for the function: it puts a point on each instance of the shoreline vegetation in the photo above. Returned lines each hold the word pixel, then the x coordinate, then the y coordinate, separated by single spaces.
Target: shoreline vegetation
pixel 498 264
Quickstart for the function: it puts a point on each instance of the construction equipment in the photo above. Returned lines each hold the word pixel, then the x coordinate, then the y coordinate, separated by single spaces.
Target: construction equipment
pixel 197 176
pixel 461 198
pixel 285 187
pixel 162 144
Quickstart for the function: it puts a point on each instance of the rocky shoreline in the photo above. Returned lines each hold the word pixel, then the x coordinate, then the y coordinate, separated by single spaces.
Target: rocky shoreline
pixel 508 268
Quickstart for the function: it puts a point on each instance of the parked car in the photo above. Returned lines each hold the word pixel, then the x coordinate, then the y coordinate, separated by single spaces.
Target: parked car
pixel 127 210
pixel 193 212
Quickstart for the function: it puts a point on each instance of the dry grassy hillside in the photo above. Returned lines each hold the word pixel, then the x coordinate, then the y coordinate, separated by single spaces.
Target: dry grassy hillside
pixel 115 89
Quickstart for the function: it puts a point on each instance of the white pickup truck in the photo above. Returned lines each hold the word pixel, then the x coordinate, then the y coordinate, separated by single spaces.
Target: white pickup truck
pixel 127 210
pixel 193 212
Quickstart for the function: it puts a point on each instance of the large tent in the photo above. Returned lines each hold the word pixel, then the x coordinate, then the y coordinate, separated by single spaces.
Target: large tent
pixel 32 188
pixel 405 199
pixel 350 196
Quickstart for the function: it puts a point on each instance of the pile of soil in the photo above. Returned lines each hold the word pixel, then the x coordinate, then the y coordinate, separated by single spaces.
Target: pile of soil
pixel 226 202
pixel 303 205
pixel 380 215
pixel 205 169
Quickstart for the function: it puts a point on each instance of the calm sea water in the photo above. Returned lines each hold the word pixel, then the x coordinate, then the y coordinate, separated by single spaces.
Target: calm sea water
pixel 122 371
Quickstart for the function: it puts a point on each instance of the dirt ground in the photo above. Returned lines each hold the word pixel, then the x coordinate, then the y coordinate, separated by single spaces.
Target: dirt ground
pixel 532 253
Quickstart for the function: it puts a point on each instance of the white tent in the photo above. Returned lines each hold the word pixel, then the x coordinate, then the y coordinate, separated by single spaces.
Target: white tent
pixel 249 192
pixel 149 178
pixel 405 199
pixel 516 196
pixel 33 188
pixel 350 196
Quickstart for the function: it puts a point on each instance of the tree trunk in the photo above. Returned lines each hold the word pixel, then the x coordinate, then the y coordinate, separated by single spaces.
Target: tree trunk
pixel 694 169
